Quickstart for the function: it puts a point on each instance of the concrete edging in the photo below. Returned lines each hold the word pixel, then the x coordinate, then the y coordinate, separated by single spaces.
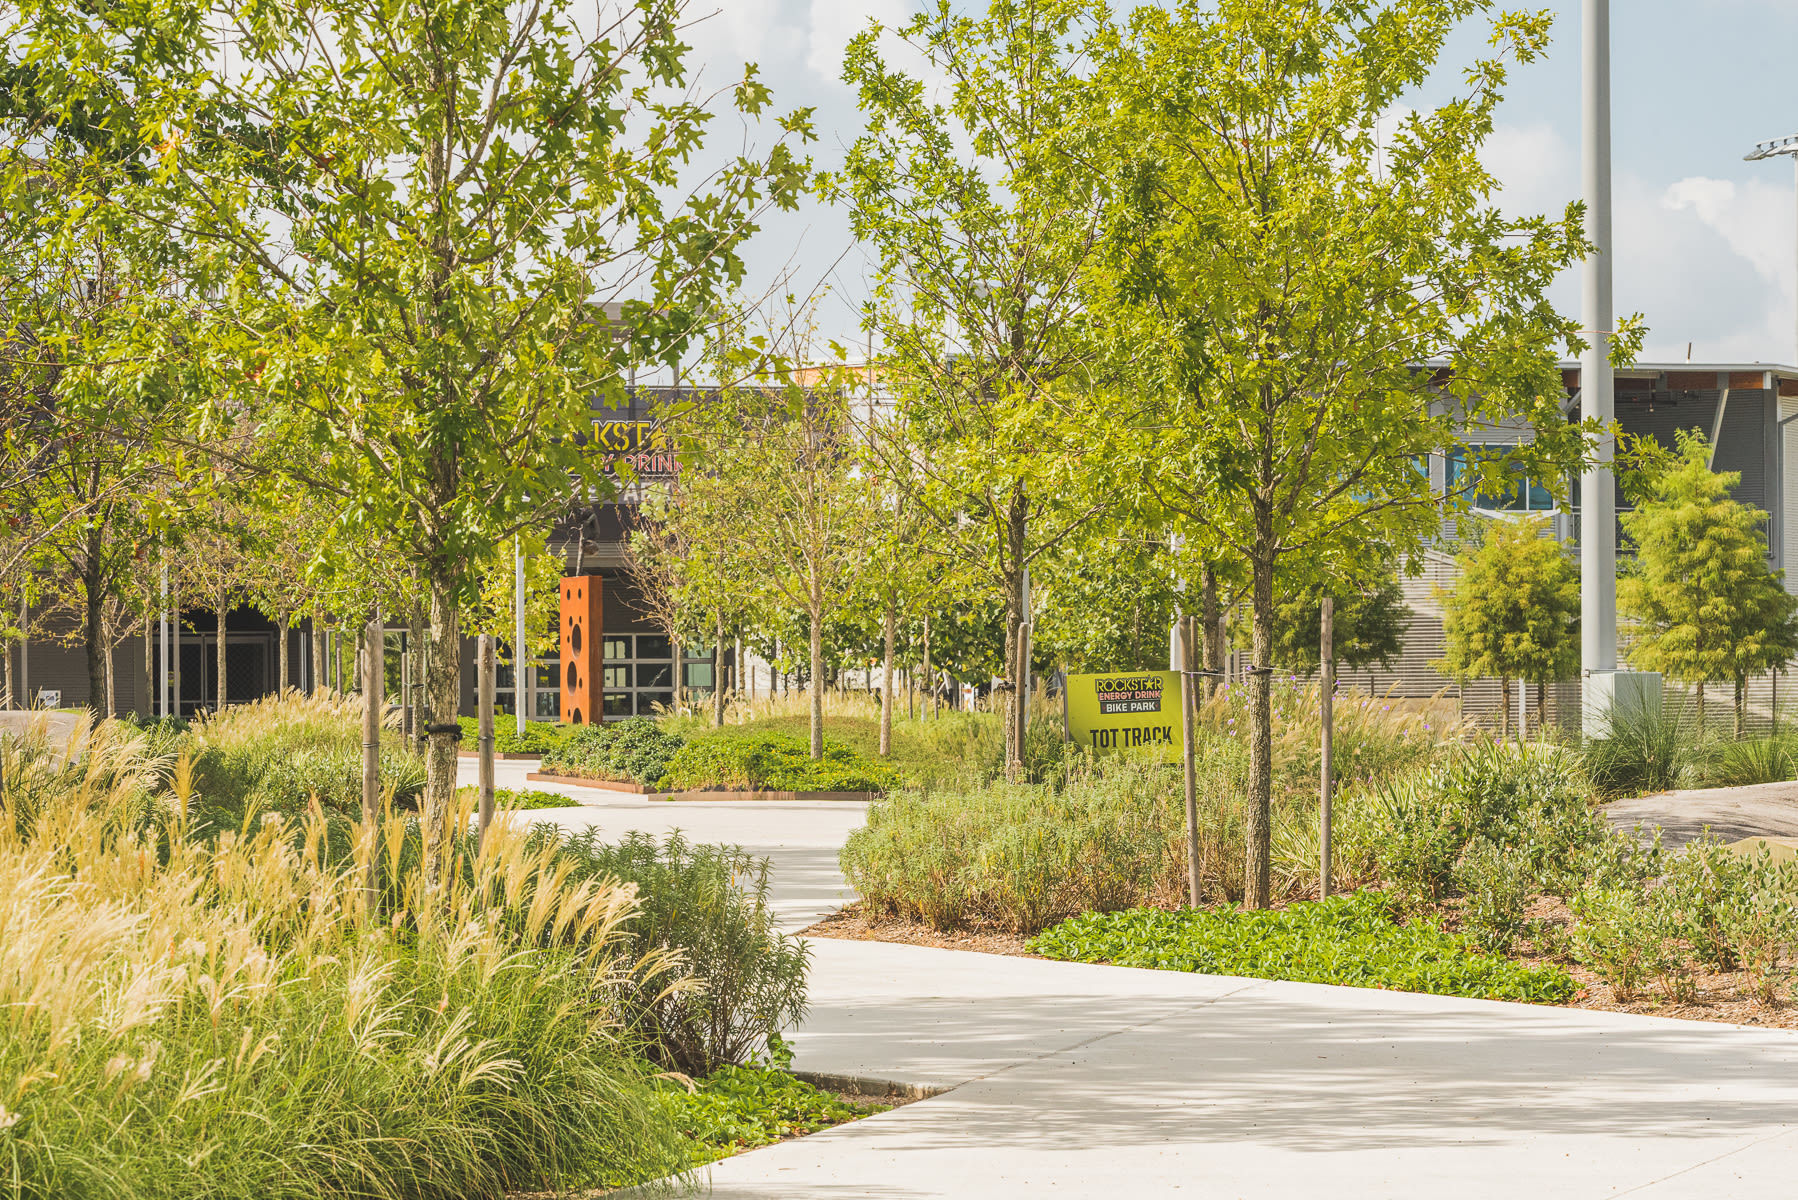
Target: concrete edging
pixel 714 796
pixel 875 1089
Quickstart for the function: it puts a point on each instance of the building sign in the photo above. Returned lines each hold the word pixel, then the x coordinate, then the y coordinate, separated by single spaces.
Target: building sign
pixel 1124 710
pixel 640 445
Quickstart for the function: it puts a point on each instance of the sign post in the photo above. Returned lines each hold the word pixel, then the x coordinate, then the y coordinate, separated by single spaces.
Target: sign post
pixel 484 701
pixel 1327 704
pixel 1187 704
pixel 372 678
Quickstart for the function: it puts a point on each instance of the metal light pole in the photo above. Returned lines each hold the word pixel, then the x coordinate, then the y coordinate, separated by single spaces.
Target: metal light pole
pixel 1598 502
pixel 1787 146
pixel 521 659
pixel 1603 687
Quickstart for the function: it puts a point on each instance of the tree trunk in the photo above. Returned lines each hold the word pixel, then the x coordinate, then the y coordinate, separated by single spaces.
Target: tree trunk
pixel 8 687
pixel 318 651
pixel 1211 642
pixel 415 648
pixel 93 627
pixel 112 686
pixel 443 700
pixel 1541 707
pixel 1504 708
pixel 1016 530
pixel 886 686
pixel 149 665
pixel 1701 708
pixel 1258 865
pixel 283 631
pixel 718 671
pixel 219 601
pixel 931 708
pixel 1741 704
pixel 817 680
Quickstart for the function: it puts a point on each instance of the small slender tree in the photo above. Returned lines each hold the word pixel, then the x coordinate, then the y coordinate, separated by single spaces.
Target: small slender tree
pixel 1702 603
pixel 779 500
pixel 1513 613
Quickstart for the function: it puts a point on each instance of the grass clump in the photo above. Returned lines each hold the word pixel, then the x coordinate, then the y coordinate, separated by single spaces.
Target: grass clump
pixel 635 751
pixel 747 758
pixel 277 753
pixel 231 1016
pixel 1354 940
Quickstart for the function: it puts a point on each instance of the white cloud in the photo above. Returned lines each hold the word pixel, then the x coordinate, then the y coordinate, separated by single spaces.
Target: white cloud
pixel 834 22
pixel 1707 262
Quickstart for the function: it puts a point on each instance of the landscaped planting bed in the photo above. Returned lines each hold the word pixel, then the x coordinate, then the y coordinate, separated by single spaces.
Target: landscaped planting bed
pixel 640 754
pixel 246 1021
pixel 1482 870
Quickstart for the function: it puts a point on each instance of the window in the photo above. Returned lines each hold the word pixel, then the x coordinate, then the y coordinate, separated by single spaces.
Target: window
pixel 638 674
pixel 699 674
pixel 1518 493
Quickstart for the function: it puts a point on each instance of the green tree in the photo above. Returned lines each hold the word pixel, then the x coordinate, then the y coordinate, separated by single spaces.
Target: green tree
pixel 411 217
pixel 1513 612
pixel 1368 621
pixel 1702 603
pixel 779 501
pixel 1282 259
pixel 980 222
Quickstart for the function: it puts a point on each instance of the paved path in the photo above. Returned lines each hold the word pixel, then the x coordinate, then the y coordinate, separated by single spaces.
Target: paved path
pixel 1068 1080
pixel 800 839
pixel 1733 813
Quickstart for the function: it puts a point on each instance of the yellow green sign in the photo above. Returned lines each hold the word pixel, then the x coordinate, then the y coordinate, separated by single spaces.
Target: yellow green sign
pixel 1124 710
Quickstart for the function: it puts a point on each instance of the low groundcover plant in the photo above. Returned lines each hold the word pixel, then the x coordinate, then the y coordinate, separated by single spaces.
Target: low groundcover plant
pixel 1354 940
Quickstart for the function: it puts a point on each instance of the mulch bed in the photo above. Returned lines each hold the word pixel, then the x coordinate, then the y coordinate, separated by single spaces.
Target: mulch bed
pixel 1717 997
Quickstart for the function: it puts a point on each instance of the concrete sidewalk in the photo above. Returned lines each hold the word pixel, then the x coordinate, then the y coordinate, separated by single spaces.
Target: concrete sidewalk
pixel 1071 1080
pixel 1076 1080
pixel 799 838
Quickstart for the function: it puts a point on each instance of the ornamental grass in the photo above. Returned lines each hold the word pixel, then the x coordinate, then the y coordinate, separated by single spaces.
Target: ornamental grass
pixel 238 1015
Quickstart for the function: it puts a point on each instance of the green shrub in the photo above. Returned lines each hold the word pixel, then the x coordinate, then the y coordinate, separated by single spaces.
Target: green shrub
pixel 1759 923
pixel 1524 802
pixel 709 906
pixel 742 757
pixel 1498 888
pixel 634 751
pixel 275 754
pixel 1622 935
pixel 1023 855
pixel 539 737
pixel 1352 940
pixel 522 799
pixel 1697 882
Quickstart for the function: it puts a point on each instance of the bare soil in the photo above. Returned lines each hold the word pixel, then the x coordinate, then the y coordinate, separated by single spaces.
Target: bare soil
pixel 1711 996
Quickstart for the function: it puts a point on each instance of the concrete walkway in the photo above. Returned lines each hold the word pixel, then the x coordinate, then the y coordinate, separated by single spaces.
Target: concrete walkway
pixel 1732 813
pixel 800 839
pixel 1065 1079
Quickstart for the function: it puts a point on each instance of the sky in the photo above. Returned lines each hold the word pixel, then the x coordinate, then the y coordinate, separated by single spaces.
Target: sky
pixel 1706 244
